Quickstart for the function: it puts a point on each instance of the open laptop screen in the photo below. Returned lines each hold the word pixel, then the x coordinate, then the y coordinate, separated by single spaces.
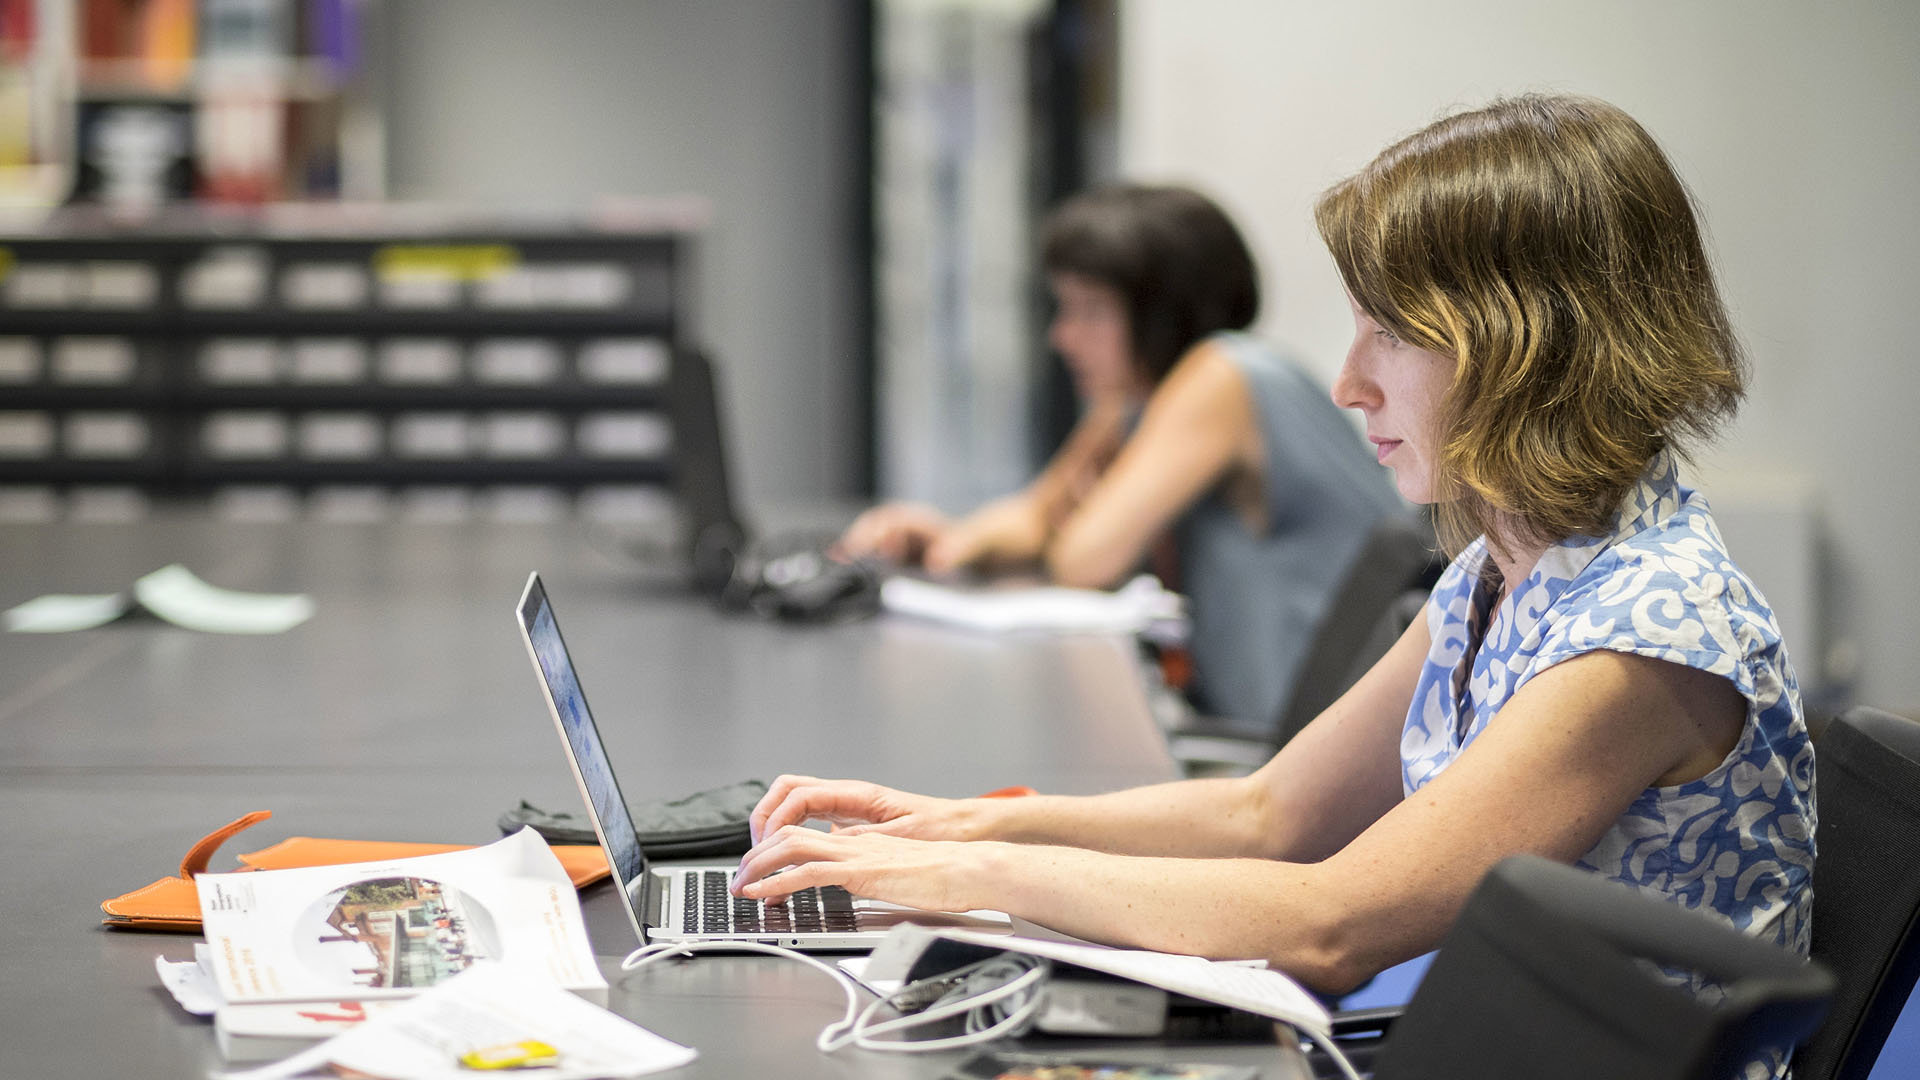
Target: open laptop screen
pixel 615 825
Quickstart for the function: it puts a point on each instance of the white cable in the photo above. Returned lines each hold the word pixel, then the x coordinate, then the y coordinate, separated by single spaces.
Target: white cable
pixel 855 1027
pixel 863 1033
pixel 831 1034
pixel 1331 1046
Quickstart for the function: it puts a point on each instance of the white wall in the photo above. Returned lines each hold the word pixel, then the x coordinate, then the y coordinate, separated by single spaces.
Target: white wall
pixel 1797 125
pixel 745 103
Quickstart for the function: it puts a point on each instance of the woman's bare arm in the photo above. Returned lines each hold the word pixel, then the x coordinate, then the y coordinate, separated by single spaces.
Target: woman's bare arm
pixel 1322 789
pixel 1567 755
pixel 1014 531
pixel 1199 423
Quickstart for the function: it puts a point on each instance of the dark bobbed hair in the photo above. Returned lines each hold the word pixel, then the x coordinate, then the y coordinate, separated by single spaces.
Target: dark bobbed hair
pixel 1182 270
pixel 1548 246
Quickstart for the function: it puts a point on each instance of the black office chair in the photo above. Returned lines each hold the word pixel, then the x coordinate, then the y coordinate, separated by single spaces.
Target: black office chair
pixel 1866 886
pixel 1365 616
pixel 1545 974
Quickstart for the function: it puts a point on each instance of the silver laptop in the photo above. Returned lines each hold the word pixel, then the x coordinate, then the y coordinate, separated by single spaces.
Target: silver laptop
pixel 691 903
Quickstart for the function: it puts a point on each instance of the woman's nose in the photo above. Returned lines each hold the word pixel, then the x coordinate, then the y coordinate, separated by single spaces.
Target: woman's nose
pixel 1351 388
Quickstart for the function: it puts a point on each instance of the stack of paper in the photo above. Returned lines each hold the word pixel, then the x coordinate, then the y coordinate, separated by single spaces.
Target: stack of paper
pixel 1133 609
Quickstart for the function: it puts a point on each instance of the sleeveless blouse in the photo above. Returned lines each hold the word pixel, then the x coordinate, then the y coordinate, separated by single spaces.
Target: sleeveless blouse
pixel 1256 596
pixel 1736 843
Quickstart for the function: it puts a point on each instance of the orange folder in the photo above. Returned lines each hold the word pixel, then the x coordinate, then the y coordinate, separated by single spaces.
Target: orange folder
pixel 173 903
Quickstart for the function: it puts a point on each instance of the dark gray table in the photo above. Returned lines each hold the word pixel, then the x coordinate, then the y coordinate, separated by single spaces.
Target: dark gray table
pixel 406 709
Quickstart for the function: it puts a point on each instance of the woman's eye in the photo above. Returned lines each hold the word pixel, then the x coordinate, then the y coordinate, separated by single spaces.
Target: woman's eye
pixel 1387 335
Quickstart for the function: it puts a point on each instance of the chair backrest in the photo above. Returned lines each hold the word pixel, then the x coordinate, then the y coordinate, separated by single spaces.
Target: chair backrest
pixel 1544 974
pixel 1397 556
pixel 1866 886
pixel 716 535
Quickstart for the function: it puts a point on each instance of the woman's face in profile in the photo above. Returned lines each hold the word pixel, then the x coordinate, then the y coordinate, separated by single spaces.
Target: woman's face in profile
pixel 1090 332
pixel 1398 388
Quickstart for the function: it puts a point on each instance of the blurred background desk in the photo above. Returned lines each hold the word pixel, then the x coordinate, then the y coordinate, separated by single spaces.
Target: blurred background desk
pixel 405 709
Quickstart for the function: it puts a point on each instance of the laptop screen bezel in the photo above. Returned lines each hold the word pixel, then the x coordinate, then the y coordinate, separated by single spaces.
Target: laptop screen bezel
pixel 634 893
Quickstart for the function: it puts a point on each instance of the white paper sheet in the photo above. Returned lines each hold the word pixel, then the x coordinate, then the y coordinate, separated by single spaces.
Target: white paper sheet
pixel 191 982
pixel 176 595
pixel 58 613
pixel 172 593
pixel 1254 989
pixel 1140 604
pixel 487 1006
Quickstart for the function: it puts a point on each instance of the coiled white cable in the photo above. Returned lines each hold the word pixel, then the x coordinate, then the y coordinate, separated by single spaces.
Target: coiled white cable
pixel 990 1014
pixel 857 1027
pixel 1010 1006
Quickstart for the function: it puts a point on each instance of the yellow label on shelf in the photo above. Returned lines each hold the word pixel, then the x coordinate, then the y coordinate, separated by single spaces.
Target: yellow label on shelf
pixel 466 262
pixel 6 262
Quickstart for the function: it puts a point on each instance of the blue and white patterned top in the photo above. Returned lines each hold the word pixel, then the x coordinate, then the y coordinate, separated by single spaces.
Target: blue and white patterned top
pixel 1737 842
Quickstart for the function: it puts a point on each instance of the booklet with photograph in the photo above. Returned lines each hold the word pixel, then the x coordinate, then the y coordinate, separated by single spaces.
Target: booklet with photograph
pixel 393 928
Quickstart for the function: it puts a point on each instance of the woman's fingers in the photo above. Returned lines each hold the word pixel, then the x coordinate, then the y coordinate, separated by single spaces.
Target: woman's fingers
pixel 953 550
pixel 912 826
pixel 916 873
pixel 789 860
pixel 777 793
pixel 863 537
pixel 944 555
pixel 895 532
pixel 795 800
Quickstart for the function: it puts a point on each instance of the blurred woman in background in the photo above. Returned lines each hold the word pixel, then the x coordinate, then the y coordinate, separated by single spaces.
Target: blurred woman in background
pixel 1202 452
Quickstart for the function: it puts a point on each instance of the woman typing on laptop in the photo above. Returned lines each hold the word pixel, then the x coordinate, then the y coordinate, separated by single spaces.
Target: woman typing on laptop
pixel 1536 331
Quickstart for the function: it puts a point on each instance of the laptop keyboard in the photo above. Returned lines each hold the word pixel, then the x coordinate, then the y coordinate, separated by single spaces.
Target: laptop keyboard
pixel 709 909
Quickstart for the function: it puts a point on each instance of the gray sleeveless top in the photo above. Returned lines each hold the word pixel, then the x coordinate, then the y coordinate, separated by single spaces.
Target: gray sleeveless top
pixel 1256 598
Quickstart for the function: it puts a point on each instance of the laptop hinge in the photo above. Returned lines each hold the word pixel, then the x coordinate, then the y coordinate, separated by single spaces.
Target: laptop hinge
pixel 656 893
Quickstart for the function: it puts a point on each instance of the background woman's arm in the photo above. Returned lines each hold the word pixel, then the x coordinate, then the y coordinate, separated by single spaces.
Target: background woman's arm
pixel 1014 531
pixel 1198 424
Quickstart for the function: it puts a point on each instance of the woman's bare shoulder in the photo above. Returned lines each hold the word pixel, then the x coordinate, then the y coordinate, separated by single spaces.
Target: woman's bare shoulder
pixel 1205 385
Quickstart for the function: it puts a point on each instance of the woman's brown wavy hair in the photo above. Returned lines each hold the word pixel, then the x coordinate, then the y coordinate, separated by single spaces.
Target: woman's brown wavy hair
pixel 1546 244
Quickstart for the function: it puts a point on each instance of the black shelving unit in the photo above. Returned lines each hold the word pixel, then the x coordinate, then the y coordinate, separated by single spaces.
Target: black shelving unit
pixel 181 359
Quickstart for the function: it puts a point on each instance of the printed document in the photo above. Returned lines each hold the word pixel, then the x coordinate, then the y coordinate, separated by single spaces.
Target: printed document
pixel 393 928
pixel 488 1013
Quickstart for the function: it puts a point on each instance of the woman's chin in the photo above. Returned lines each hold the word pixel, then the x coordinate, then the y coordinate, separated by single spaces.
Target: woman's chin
pixel 1414 489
